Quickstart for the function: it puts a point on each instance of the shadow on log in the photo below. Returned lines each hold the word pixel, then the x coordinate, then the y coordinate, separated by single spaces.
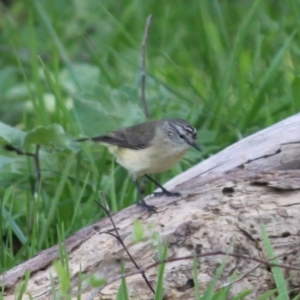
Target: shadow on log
pixel 225 200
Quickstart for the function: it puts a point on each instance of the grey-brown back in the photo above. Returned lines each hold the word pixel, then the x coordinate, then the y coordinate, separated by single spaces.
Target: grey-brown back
pixel 141 135
pixel 134 137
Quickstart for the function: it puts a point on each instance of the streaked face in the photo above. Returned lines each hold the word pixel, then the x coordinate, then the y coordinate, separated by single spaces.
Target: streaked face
pixel 182 134
pixel 188 135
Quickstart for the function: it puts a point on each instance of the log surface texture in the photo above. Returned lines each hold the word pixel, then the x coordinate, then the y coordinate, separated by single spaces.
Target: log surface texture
pixel 224 201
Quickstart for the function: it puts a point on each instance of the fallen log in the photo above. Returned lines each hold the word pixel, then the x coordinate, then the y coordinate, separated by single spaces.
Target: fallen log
pixel 225 200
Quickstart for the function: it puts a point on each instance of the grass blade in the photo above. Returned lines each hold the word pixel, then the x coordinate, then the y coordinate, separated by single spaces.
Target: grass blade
pixel 277 272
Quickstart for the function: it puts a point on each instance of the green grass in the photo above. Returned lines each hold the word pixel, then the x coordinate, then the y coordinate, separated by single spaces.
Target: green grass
pixel 281 284
pixel 229 67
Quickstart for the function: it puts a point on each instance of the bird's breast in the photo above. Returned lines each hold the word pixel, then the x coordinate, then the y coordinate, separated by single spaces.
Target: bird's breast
pixel 147 161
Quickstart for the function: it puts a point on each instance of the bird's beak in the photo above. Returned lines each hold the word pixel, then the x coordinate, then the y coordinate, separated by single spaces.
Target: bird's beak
pixel 195 145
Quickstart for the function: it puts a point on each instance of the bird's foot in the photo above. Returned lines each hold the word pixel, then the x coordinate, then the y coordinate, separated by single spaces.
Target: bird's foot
pixel 167 193
pixel 149 208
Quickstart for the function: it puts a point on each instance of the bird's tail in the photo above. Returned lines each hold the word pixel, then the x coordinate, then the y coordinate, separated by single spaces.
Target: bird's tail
pixel 82 140
pixel 101 138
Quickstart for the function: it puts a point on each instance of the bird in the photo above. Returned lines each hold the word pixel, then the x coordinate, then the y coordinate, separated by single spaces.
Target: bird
pixel 149 148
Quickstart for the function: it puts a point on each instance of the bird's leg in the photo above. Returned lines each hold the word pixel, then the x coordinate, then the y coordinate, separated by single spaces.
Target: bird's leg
pixel 164 191
pixel 142 202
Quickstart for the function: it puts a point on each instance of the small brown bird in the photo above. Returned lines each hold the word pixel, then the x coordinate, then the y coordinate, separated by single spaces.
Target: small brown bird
pixel 149 148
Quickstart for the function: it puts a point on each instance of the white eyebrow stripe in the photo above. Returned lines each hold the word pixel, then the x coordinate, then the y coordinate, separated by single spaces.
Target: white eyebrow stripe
pixel 191 130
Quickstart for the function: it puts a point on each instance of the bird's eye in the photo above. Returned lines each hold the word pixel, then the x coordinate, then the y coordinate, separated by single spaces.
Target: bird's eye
pixel 181 136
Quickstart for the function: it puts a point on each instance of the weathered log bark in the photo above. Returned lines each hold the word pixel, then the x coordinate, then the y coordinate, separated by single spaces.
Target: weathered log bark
pixel 224 202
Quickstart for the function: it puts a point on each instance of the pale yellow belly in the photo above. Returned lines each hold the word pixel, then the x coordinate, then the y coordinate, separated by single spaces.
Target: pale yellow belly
pixel 146 161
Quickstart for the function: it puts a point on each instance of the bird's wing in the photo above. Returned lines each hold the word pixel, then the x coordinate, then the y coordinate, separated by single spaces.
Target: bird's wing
pixel 134 137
